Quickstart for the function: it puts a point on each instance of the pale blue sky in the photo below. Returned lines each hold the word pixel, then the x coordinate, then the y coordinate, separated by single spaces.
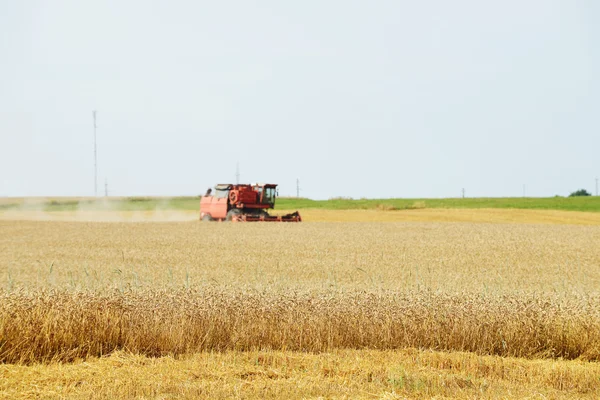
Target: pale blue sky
pixel 354 98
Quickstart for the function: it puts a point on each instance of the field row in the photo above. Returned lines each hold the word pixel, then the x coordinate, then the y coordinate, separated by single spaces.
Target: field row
pixel 59 326
pixel 459 257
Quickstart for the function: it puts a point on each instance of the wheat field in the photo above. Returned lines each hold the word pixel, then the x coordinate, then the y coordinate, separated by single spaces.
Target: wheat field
pixel 77 294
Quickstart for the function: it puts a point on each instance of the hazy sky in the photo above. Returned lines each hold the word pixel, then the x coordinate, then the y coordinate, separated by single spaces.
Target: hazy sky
pixel 354 98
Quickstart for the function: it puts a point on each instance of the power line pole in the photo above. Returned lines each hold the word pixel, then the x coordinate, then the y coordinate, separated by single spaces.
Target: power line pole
pixel 95 158
pixel 237 173
pixel 297 187
pixel 463 193
pixel 105 187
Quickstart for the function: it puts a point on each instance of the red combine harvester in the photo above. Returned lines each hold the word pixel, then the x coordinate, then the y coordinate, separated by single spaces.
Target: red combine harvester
pixel 248 203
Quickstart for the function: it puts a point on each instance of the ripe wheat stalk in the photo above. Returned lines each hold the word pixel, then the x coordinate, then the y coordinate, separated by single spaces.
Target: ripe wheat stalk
pixel 62 326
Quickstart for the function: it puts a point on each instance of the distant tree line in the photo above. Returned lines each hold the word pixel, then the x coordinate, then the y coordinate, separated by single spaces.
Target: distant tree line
pixel 580 192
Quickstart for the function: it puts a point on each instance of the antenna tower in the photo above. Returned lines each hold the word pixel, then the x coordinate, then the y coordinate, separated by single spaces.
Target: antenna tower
pixel 95 158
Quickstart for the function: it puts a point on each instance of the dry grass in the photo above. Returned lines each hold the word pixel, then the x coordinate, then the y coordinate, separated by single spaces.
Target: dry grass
pixel 364 374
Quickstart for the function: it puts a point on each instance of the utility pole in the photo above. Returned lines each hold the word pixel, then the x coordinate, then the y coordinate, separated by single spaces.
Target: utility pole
pixel 95 158
pixel 237 173
pixel 463 193
pixel 297 187
pixel 105 187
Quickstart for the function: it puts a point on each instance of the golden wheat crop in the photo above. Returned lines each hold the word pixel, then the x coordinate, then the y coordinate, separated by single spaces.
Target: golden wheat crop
pixel 75 290
pixel 452 258
pixel 519 290
pixel 67 326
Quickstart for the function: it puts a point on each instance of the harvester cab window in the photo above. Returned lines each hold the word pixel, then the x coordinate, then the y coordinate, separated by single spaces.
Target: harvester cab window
pixel 269 195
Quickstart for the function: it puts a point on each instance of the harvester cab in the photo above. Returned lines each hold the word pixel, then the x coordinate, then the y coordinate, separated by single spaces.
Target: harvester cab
pixel 242 202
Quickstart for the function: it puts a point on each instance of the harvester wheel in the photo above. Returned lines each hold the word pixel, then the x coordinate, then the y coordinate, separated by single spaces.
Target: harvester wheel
pixel 207 218
pixel 263 214
pixel 231 213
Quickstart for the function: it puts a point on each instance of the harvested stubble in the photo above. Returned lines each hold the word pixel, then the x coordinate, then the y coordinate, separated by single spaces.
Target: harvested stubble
pixel 63 326
pixel 345 374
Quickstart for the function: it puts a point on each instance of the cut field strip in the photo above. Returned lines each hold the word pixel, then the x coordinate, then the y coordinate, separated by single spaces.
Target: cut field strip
pixel 357 374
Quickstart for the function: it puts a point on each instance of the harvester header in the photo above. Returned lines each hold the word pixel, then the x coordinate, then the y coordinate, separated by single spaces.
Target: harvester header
pixel 242 202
